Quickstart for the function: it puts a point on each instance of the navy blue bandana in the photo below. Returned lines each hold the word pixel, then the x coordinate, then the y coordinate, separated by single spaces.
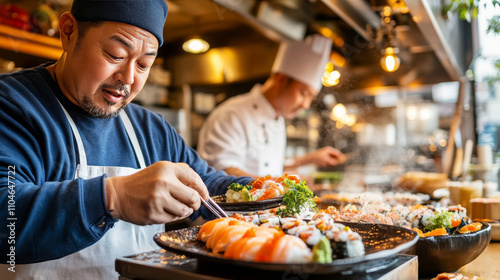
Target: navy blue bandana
pixel 149 15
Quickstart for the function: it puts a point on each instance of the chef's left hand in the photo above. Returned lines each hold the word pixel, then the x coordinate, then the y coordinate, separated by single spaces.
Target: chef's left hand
pixel 326 156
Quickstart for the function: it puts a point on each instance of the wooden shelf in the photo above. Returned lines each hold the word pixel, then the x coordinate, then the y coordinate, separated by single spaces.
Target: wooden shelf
pixel 26 42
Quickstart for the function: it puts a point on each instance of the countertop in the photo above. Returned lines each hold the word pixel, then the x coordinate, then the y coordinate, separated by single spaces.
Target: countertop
pixel 487 265
pixel 152 264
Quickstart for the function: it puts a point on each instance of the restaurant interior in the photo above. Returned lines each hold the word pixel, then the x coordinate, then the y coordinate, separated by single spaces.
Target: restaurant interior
pixel 410 95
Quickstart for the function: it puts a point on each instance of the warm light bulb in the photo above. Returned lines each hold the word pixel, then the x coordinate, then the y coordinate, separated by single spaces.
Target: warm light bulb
pixel 329 82
pixel 411 113
pixel 335 75
pixel 425 114
pixel 390 61
pixel 331 79
pixel 195 45
pixel 338 112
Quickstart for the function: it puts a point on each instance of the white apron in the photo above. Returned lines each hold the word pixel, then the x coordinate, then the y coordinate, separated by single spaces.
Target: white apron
pixel 98 260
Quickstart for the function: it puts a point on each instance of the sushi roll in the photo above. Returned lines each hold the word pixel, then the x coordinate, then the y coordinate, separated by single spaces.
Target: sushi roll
pixel 345 242
pixel 269 220
pixel 459 211
pixel 289 223
pixel 322 216
pixel 416 213
pixel 322 222
pixel 249 217
pixel 307 233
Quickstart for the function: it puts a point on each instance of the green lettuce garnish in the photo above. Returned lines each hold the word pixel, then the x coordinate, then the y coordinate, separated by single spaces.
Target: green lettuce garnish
pixel 297 198
pixel 438 220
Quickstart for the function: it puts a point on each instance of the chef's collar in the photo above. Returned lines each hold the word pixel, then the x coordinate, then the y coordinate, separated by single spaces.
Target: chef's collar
pixel 262 103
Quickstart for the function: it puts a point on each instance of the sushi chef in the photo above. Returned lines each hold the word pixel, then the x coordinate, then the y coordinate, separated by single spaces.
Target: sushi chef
pixel 246 134
pixel 86 176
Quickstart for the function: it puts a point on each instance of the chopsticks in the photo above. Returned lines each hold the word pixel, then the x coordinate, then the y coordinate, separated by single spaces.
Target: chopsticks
pixel 214 207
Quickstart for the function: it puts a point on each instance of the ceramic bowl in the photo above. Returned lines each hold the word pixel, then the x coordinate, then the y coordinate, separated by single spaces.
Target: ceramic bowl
pixel 437 254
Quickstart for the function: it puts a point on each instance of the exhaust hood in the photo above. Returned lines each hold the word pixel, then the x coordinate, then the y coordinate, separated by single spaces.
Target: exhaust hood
pixel 432 48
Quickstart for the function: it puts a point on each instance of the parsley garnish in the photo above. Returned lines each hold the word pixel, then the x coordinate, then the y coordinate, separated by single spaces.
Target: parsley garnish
pixel 298 197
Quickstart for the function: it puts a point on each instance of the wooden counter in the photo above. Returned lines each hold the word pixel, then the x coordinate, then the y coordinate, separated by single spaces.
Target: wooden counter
pixel 487 265
pixel 162 264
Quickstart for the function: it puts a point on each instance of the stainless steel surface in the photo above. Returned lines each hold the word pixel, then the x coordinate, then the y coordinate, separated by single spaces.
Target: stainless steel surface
pixel 433 48
pixel 438 33
pixel 356 13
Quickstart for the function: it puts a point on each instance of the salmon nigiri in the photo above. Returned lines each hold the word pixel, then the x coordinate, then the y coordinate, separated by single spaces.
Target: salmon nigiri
pixel 222 236
pixel 247 247
pixel 284 249
pixel 231 235
pixel 208 228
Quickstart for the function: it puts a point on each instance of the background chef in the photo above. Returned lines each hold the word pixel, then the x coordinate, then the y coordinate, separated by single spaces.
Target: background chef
pixel 95 177
pixel 246 134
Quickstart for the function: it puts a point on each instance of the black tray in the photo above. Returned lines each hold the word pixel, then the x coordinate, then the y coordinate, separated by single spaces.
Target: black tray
pixel 382 242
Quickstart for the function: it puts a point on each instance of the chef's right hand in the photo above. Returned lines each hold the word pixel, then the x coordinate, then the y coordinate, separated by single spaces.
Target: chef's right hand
pixel 160 193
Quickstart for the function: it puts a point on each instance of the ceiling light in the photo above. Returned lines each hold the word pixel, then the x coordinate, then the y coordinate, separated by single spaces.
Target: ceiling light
pixel 330 77
pixel 195 45
pixel 338 112
pixel 387 39
pixel 390 61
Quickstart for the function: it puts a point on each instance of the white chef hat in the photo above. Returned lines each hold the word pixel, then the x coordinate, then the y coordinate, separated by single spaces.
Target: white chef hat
pixel 305 60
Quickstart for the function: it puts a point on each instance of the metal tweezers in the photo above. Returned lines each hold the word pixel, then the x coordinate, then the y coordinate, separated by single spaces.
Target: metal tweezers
pixel 214 208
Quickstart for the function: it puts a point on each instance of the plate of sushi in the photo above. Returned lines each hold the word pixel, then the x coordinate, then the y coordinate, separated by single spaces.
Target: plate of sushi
pixel 264 193
pixel 318 243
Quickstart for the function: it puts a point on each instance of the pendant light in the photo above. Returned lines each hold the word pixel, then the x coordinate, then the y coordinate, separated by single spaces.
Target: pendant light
pixel 196 44
pixel 390 61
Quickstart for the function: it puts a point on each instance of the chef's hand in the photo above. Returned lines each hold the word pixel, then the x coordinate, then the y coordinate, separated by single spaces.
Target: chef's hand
pixel 160 193
pixel 323 157
pixel 327 156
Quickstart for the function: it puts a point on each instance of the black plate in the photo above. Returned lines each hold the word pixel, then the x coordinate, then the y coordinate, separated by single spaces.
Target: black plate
pixel 382 242
pixel 247 206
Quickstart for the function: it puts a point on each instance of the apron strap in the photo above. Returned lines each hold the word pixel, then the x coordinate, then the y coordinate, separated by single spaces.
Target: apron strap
pixel 133 138
pixel 81 150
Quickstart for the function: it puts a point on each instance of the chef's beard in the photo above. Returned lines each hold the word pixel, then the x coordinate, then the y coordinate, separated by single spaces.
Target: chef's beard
pixel 106 113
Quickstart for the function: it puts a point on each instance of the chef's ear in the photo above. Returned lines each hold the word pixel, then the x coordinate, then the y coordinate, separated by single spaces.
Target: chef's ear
pixel 67 29
pixel 282 80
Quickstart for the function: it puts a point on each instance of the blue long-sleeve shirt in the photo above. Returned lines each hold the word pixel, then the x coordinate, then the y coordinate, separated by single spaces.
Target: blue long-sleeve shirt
pixel 54 214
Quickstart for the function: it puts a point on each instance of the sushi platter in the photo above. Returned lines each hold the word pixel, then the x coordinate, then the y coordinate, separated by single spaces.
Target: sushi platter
pixel 382 243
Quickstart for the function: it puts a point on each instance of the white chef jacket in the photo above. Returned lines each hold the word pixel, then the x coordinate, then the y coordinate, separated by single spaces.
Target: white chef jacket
pixel 244 132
